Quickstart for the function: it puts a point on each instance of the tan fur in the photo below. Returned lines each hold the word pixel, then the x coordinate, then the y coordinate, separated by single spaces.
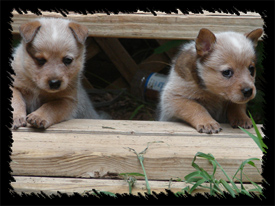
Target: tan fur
pixel 36 99
pixel 198 90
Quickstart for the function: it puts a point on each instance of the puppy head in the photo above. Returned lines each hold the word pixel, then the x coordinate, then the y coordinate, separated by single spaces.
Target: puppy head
pixel 226 63
pixel 54 52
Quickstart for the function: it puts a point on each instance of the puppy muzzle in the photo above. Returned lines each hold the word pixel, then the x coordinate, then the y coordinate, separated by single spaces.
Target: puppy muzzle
pixel 54 84
pixel 247 92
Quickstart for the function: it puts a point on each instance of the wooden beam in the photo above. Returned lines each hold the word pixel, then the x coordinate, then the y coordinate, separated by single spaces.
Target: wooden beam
pixel 50 185
pixel 162 26
pixel 118 83
pixel 92 48
pixel 96 148
pixel 155 62
pixel 119 56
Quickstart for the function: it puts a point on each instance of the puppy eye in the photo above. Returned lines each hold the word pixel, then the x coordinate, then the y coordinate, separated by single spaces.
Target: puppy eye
pixel 251 70
pixel 227 73
pixel 67 60
pixel 40 61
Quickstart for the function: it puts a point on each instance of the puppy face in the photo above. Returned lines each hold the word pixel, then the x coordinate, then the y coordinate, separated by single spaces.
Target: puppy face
pixel 54 52
pixel 226 64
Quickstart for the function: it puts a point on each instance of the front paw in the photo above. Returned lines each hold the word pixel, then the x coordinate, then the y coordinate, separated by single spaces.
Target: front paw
pixel 19 121
pixel 209 128
pixel 37 121
pixel 245 123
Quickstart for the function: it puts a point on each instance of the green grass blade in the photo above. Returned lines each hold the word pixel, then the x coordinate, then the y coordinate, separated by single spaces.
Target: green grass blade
pixel 244 191
pixel 228 187
pixel 196 185
pixel 203 155
pixel 206 156
pixel 192 175
pixel 255 127
pixel 136 111
pixel 194 179
pixel 253 164
pixel 259 135
pixel 216 187
pixel 247 161
pixel 107 193
pixel 231 181
pixel 131 174
pixel 255 185
pixel 256 139
pixel 214 168
pixel 206 176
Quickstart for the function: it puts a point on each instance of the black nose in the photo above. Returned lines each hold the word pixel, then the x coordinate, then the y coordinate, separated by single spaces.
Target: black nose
pixel 247 92
pixel 54 84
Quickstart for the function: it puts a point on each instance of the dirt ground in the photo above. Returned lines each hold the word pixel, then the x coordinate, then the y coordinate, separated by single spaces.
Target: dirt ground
pixel 124 106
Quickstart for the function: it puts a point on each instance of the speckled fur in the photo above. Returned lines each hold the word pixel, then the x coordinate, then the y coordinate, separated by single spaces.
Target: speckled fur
pixel 196 91
pixel 33 101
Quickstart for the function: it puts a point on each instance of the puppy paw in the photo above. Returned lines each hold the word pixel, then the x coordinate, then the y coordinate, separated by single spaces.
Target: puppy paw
pixel 209 128
pixel 37 121
pixel 19 121
pixel 244 123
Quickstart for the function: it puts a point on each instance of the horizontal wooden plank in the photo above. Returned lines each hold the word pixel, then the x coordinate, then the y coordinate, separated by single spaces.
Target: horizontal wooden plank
pixel 98 148
pixel 163 26
pixel 79 185
pixel 129 127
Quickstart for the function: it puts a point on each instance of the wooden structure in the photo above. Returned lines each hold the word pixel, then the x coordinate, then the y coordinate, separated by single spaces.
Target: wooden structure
pixel 81 155
pixel 104 31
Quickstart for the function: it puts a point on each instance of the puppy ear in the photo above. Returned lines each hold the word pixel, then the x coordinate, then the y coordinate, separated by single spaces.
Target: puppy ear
pixel 29 30
pixel 80 32
pixel 254 36
pixel 205 42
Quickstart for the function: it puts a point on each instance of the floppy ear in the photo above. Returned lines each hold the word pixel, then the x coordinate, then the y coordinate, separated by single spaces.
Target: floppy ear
pixel 29 30
pixel 80 32
pixel 255 35
pixel 205 42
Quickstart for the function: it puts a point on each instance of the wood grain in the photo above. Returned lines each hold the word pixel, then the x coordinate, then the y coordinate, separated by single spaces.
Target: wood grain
pixel 162 26
pixel 50 185
pixel 119 56
pixel 96 148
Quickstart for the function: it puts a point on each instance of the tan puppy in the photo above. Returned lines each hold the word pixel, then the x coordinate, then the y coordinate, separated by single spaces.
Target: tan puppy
pixel 211 80
pixel 48 65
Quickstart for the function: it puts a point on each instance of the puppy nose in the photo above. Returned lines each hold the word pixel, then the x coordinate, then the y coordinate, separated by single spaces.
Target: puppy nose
pixel 54 84
pixel 247 92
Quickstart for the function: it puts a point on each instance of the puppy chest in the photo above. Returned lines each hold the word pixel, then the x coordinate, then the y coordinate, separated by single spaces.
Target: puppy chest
pixel 32 100
pixel 217 109
pixel 32 104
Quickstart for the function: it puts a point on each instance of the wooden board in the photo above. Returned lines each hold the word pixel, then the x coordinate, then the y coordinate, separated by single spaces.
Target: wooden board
pixel 162 26
pixel 50 185
pixel 119 56
pixel 99 149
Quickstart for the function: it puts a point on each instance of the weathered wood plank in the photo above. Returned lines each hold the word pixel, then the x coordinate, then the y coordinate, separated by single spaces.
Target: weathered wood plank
pixel 98 148
pixel 119 56
pixel 71 185
pixel 154 128
pixel 164 26
pixel 92 48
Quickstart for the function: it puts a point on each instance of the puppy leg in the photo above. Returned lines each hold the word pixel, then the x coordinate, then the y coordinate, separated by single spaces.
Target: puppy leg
pixel 236 114
pixel 51 113
pixel 196 115
pixel 19 109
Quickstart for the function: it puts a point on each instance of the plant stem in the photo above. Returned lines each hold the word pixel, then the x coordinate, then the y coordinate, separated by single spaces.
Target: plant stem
pixel 140 157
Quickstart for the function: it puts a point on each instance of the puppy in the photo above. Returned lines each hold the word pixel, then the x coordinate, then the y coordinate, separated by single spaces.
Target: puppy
pixel 48 65
pixel 211 80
